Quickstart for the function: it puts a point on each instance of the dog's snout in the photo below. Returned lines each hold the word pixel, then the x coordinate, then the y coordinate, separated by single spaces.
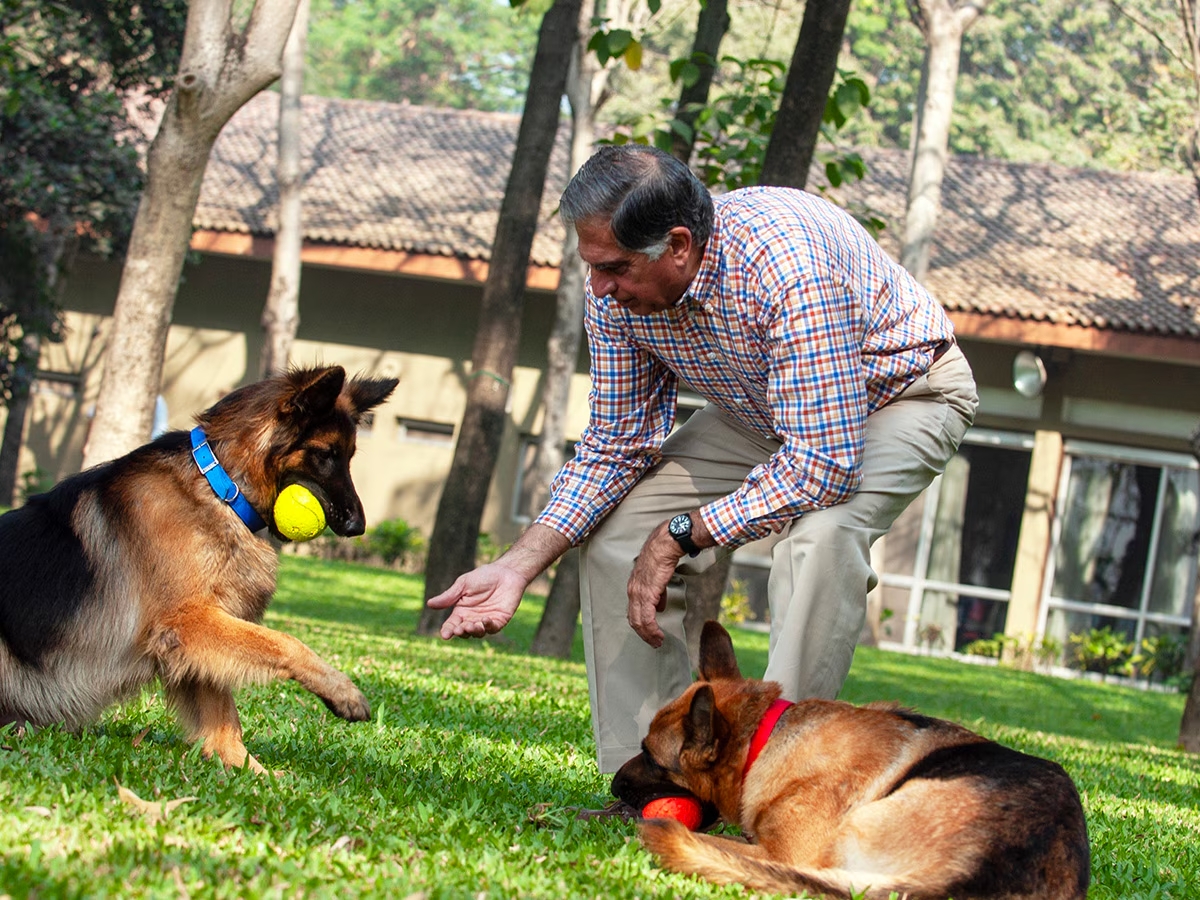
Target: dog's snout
pixel 356 524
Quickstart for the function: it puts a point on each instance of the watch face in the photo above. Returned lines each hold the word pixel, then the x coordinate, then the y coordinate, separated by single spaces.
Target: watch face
pixel 681 524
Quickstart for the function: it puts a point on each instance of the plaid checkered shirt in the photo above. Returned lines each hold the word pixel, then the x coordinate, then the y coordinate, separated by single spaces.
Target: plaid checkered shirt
pixel 797 325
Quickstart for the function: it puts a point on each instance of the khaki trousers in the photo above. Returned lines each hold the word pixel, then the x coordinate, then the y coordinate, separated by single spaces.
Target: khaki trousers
pixel 820 570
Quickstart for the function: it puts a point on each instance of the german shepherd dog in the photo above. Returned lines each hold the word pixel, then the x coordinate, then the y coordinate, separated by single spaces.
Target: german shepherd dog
pixel 834 798
pixel 137 568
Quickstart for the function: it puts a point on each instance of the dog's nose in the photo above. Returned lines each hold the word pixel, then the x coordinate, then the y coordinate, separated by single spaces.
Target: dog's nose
pixel 356 524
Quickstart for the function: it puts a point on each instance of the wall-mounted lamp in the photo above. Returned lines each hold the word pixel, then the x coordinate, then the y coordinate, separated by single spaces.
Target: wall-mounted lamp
pixel 1028 373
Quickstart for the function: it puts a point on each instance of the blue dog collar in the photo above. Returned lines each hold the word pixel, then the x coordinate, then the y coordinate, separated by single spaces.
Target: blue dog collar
pixel 223 486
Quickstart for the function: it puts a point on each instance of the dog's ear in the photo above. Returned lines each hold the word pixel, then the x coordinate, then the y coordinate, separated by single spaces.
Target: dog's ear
pixel 315 392
pixel 702 729
pixel 717 659
pixel 367 393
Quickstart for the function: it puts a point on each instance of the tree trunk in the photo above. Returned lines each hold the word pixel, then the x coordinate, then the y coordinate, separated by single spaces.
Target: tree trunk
pixel 1189 725
pixel 711 27
pixel 556 630
pixel 801 108
pixel 220 69
pixel 281 314
pixel 707 603
pixel 56 257
pixel 1189 15
pixel 460 509
pixel 585 83
pixel 24 372
pixel 943 23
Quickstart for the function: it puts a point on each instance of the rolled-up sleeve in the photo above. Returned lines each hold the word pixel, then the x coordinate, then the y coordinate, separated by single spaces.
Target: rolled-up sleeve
pixel 632 409
pixel 817 395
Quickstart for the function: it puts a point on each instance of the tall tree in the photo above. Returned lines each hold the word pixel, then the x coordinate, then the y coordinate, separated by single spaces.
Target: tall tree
pixel 942 22
pixel 224 63
pixel 802 107
pixel 697 78
pixel 460 509
pixel 587 90
pixel 586 78
pixel 69 174
pixel 281 313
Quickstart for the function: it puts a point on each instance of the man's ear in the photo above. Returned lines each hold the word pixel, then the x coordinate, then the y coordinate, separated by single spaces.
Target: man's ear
pixel 679 243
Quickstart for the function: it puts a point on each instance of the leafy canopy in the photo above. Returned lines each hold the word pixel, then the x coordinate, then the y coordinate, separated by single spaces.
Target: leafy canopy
pixel 464 54
pixel 68 164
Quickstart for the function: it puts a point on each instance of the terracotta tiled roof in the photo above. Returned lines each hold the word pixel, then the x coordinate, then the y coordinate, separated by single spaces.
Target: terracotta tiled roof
pixel 1101 249
pixel 381 175
pixel 1106 250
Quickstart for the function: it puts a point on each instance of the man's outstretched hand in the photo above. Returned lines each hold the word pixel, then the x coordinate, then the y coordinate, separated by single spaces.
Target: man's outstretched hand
pixel 486 598
pixel 484 601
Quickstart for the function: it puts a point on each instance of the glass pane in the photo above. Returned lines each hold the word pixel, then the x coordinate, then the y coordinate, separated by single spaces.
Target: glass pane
pixel 979 517
pixel 979 619
pixel 1107 521
pixel 1171 586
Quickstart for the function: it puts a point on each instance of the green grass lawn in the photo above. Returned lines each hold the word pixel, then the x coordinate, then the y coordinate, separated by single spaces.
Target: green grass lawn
pixel 461 784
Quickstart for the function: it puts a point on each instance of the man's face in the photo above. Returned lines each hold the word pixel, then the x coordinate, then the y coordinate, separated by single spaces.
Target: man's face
pixel 633 280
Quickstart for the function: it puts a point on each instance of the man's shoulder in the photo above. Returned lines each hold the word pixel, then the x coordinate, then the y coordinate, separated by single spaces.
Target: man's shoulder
pixel 767 209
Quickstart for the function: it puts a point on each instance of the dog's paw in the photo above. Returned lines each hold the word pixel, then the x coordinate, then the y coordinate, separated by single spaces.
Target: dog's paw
pixel 349 703
pixel 658 835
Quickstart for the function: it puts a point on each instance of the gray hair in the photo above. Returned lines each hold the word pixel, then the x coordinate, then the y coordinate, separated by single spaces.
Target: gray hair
pixel 643 193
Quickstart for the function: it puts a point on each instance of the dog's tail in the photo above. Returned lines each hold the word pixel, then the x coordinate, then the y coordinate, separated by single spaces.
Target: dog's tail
pixel 726 861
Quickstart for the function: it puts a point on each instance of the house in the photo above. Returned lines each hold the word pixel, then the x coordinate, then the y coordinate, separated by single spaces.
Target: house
pixel 1075 293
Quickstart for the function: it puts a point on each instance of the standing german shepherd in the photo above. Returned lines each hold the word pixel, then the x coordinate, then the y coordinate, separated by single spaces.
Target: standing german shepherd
pixel 139 568
pixel 836 798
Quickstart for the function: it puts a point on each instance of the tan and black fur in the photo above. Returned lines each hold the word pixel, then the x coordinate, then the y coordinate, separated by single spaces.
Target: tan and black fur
pixel 842 798
pixel 134 569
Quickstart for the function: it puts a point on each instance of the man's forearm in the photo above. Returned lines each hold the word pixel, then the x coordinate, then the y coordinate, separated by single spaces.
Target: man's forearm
pixel 535 550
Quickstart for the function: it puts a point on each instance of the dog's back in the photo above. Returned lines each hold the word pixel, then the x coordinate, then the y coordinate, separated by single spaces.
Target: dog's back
pixel 69 616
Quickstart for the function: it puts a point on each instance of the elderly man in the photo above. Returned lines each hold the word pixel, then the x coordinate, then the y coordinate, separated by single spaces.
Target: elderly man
pixel 835 393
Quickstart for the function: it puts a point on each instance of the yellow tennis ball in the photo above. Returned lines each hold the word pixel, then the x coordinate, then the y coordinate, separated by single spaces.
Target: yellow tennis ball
pixel 298 514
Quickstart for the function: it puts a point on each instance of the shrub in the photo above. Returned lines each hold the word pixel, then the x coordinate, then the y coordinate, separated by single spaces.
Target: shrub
pixel 1159 657
pixel 394 540
pixel 735 604
pixel 988 647
pixel 1101 649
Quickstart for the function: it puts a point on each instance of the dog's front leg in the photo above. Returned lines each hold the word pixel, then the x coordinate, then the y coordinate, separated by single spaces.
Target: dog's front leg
pixel 202 642
pixel 208 714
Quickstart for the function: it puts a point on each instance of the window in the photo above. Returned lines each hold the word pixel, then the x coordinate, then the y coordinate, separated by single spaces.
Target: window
pixel 947 563
pixel 1125 543
pixel 421 431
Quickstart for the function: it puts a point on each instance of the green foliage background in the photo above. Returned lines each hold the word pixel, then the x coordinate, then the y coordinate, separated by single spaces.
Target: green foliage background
pixel 1086 83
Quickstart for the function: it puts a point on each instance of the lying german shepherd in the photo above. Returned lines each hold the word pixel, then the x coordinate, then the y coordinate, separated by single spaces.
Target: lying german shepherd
pixel 835 798
pixel 138 568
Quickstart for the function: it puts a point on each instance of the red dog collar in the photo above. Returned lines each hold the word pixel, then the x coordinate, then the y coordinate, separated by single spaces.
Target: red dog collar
pixel 763 733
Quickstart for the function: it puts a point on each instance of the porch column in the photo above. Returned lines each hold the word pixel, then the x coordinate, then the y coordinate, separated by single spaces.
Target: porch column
pixel 1033 543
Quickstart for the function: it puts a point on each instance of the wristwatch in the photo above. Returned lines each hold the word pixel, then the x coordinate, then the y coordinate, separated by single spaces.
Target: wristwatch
pixel 680 528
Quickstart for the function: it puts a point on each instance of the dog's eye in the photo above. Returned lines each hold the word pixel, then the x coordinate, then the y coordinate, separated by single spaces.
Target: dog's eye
pixel 325 458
